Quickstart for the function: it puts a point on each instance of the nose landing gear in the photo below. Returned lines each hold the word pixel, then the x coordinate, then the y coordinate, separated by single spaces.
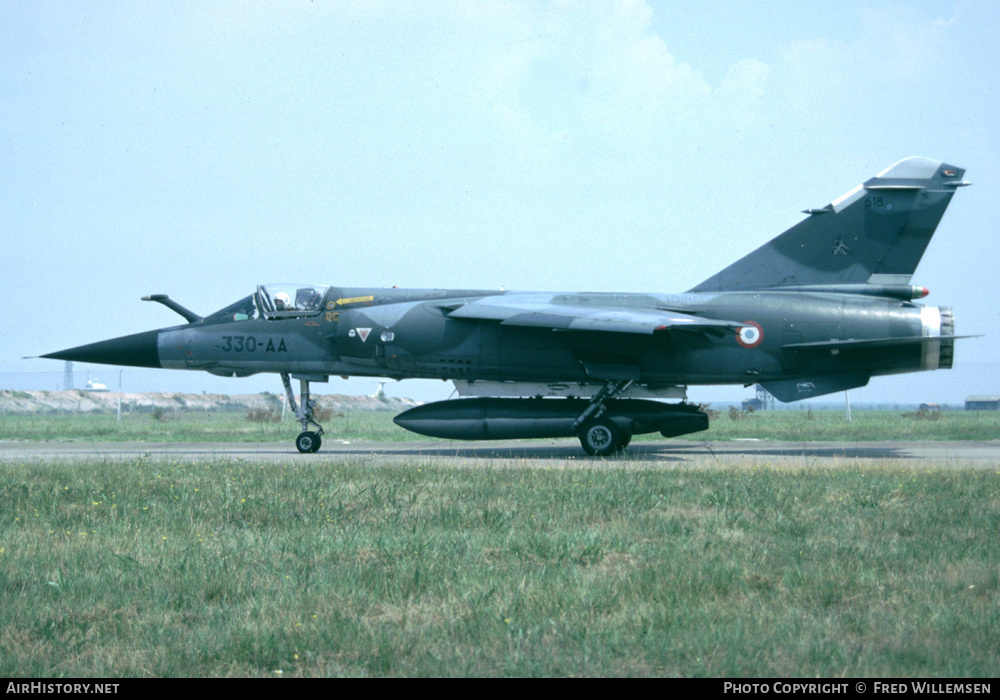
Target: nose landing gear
pixel 308 441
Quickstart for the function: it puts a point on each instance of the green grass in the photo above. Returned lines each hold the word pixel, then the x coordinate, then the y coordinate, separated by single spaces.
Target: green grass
pixel 497 568
pixel 378 427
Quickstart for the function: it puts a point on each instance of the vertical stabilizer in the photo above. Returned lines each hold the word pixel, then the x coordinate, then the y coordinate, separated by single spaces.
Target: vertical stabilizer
pixel 875 233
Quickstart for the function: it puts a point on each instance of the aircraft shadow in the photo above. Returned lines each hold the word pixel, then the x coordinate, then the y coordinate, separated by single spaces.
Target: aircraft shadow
pixel 637 452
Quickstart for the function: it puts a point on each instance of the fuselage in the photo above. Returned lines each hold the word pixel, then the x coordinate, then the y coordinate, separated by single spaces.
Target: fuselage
pixel 406 333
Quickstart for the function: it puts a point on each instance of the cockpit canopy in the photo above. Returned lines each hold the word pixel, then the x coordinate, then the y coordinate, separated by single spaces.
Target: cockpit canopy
pixel 283 300
pixel 274 301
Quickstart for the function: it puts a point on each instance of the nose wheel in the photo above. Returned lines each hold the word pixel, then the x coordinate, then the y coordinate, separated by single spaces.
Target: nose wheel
pixel 308 441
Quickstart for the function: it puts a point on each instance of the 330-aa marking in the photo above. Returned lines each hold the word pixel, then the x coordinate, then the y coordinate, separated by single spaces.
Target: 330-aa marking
pixel 247 343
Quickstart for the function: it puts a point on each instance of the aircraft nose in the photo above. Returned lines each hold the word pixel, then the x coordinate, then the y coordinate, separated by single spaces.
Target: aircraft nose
pixel 138 350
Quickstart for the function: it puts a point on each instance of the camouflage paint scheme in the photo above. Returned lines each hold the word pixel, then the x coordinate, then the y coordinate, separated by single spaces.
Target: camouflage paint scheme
pixel 821 308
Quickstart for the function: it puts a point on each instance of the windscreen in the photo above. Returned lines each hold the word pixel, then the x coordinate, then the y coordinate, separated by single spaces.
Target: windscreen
pixel 242 310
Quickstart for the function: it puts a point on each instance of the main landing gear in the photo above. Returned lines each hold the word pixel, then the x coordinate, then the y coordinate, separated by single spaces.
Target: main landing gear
pixel 598 435
pixel 308 441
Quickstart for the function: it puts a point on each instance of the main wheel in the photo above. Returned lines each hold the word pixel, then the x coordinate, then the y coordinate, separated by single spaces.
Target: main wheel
pixel 601 437
pixel 308 442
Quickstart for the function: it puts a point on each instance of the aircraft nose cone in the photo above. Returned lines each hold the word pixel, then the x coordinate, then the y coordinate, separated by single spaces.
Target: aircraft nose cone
pixel 138 350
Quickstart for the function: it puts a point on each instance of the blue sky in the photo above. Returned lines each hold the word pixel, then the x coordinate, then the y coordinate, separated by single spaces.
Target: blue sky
pixel 199 149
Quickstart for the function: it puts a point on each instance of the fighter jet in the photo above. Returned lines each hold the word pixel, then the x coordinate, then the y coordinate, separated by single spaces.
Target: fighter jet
pixel 821 308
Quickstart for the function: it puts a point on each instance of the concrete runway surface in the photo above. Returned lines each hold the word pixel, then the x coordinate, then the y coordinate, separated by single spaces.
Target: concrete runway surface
pixel 543 452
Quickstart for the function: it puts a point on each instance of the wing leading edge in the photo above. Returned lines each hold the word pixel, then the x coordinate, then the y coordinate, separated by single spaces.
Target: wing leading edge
pixel 513 311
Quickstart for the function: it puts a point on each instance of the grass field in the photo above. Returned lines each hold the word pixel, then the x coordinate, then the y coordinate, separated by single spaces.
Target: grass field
pixel 378 427
pixel 230 568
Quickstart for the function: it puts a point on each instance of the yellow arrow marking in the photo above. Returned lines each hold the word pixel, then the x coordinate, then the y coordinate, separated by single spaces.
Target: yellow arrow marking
pixel 353 300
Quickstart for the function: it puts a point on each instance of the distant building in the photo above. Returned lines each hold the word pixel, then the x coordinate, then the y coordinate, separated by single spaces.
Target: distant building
pixel 763 401
pixel 982 403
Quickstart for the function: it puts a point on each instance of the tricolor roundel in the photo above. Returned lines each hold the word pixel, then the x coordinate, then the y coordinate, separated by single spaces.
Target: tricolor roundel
pixel 750 335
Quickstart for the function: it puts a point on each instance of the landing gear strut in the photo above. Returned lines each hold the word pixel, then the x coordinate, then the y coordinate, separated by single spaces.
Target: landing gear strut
pixel 308 441
pixel 602 436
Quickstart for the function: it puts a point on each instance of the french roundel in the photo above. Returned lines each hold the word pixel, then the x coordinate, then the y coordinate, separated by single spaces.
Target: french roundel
pixel 751 335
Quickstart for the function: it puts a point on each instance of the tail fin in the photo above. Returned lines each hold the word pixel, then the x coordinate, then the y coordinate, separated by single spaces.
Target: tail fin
pixel 876 233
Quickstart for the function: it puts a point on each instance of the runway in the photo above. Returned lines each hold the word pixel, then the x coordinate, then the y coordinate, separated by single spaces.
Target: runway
pixel 541 452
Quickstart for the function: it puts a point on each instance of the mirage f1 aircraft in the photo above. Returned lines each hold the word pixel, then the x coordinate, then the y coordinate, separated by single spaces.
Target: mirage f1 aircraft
pixel 822 308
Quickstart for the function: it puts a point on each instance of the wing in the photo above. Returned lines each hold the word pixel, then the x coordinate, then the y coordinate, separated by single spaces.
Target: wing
pixel 517 310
